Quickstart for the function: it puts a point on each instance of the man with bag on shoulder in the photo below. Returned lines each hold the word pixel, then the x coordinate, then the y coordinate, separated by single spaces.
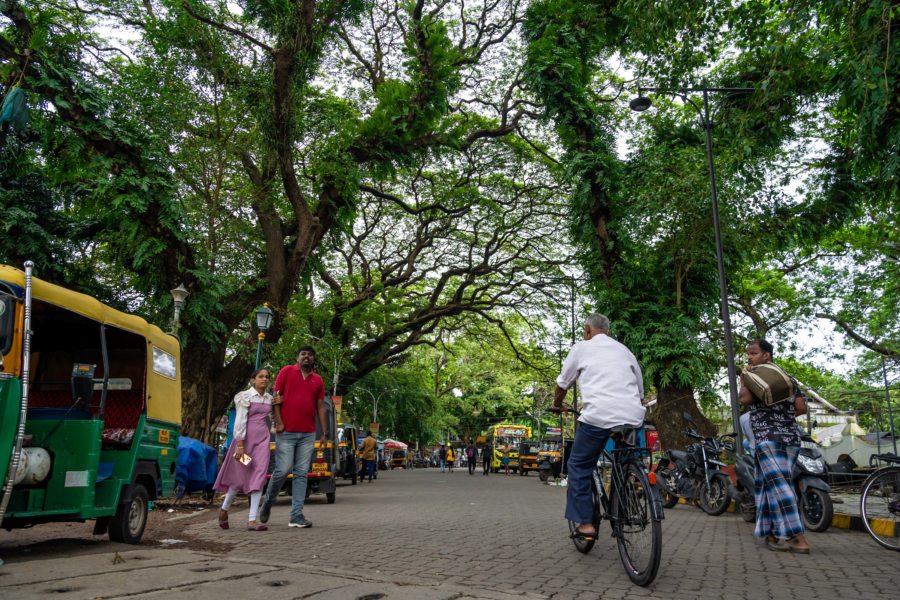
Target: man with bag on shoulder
pixel 775 400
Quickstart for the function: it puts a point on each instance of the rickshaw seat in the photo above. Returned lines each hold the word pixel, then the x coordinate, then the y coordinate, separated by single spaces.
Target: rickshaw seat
pixel 120 417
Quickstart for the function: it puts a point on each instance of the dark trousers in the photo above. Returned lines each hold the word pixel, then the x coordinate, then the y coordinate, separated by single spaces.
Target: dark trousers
pixel 370 468
pixel 589 443
pixel 472 463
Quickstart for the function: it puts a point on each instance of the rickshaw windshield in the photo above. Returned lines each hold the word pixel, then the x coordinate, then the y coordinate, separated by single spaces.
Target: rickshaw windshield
pixel 7 314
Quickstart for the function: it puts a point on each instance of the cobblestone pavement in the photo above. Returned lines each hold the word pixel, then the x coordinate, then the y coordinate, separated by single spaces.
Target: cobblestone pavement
pixel 506 534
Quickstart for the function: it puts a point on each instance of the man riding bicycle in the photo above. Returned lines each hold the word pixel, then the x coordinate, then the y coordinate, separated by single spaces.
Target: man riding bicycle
pixel 612 388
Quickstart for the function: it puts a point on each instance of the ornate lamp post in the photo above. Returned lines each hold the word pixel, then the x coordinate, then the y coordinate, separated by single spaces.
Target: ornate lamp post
pixel 179 295
pixel 264 316
pixel 642 103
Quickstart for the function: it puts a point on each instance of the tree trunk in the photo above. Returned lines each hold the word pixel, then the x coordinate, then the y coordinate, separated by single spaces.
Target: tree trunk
pixel 667 415
pixel 208 387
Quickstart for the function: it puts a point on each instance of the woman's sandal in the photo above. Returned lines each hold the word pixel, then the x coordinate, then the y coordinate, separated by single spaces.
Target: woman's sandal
pixel 253 526
pixel 223 522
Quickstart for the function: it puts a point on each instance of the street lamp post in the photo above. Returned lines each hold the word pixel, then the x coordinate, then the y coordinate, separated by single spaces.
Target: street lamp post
pixel 179 295
pixel 375 401
pixel 264 318
pixel 642 103
pixel 887 397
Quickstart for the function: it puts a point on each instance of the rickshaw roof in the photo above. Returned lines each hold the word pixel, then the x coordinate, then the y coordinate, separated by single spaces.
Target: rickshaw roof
pixel 163 394
pixel 90 307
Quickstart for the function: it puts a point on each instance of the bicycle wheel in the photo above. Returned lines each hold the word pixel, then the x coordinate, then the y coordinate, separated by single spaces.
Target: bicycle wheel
pixel 584 545
pixel 879 506
pixel 638 533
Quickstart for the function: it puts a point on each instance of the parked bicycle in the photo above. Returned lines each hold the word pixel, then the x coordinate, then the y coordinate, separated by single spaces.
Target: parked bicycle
pixel 624 493
pixel 879 503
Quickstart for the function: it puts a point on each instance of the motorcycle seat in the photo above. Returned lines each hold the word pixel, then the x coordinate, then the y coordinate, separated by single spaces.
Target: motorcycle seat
pixel 678 455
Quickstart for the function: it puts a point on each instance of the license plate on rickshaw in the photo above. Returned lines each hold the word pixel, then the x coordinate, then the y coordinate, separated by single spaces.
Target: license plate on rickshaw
pixel 319 467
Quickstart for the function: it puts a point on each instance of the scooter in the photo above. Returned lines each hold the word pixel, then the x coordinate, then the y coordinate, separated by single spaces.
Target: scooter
pixel 808 479
pixel 695 474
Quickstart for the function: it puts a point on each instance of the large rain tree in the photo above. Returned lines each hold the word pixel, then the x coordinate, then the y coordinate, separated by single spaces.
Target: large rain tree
pixel 220 143
pixel 647 238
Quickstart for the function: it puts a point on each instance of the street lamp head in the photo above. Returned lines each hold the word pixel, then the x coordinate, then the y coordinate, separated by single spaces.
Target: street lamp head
pixel 264 316
pixel 641 103
pixel 179 295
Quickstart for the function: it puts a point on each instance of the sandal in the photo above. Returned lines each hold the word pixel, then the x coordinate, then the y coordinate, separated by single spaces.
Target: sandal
pixel 773 543
pixel 796 548
pixel 223 518
pixel 584 534
pixel 253 526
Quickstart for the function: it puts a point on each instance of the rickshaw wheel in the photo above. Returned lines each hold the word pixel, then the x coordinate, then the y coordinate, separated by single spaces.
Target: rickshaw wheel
pixel 330 496
pixel 131 518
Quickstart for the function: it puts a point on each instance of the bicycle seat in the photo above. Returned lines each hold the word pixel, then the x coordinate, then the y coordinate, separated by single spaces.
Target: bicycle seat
pixel 888 457
pixel 625 434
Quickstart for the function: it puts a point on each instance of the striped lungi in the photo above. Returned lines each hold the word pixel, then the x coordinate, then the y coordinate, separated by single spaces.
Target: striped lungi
pixel 776 504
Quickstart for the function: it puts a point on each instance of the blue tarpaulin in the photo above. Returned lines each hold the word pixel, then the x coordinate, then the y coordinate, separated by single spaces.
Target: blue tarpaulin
pixel 196 467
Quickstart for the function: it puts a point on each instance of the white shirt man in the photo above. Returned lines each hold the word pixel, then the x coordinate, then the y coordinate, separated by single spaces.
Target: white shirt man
pixel 609 379
pixel 612 388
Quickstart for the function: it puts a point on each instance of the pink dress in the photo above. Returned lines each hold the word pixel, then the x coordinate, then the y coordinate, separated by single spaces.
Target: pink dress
pixel 247 479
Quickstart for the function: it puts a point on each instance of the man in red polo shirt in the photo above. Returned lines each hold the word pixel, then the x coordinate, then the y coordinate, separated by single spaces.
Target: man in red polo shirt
pixel 299 400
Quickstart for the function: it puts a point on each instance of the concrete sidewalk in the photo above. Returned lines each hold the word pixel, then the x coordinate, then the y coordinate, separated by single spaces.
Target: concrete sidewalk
pixel 169 573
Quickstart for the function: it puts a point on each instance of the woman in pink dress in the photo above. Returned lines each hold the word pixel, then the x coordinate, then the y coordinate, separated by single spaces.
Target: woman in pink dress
pixel 251 441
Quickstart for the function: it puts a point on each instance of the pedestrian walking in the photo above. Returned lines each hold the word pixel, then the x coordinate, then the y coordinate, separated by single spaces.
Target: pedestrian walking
pixel 368 450
pixel 487 458
pixel 442 456
pixel 772 420
pixel 450 458
pixel 504 458
pixel 247 459
pixel 299 402
pixel 471 457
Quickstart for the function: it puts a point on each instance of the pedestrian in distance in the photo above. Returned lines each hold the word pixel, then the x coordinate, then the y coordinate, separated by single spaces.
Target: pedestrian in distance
pixel 442 456
pixel 368 450
pixel 299 402
pixel 612 390
pixel 247 460
pixel 471 457
pixel 450 458
pixel 504 458
pixel 487 458
pixel 777 445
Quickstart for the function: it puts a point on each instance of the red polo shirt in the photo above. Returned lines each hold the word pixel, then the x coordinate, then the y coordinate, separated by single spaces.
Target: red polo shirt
pixel 298 411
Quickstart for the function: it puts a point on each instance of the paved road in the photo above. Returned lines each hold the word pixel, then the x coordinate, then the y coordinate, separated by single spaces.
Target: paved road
pixel 504 537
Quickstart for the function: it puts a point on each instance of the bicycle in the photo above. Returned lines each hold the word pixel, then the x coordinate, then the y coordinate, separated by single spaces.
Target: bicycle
pixel 879 503
pixel 632 505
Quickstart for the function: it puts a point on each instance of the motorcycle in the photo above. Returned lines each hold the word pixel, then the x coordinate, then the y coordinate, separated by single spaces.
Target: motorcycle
pixel 808 479
pixel 695 474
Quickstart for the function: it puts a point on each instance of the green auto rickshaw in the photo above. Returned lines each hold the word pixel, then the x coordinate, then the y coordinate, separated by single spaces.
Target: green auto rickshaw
pixel 90 409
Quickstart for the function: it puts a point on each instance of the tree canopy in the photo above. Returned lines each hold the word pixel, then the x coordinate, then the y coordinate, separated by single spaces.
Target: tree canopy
pixel 402 182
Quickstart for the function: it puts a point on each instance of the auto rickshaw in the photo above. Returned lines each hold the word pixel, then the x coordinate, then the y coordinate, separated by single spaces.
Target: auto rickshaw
pixel 550 458
pixel 347 450
pixel 90 409
pixel 528 456
pixel 399 458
